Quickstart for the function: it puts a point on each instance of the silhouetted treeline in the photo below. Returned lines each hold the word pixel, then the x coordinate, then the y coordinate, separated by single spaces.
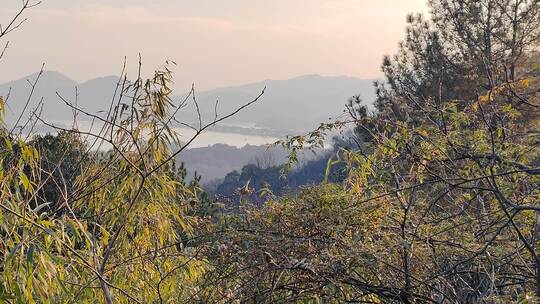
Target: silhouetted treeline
pixel 282 180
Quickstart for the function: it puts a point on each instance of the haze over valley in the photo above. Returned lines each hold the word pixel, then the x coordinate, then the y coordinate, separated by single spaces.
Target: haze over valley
pixel 287 107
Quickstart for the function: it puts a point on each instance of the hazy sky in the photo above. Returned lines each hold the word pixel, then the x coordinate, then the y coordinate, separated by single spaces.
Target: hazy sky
pixel 214 42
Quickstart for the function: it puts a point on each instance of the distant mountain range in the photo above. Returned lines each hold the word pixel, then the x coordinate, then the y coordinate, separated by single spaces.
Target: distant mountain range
pixel 287 107
pixel 93 95
pixel 296 104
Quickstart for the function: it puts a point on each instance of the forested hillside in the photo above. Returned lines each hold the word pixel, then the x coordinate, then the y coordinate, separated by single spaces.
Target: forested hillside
pixel 283 177
pixel 434 198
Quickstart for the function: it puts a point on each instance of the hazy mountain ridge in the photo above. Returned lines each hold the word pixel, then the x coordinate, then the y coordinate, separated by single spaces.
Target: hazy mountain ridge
pixel 295 104
pixel 288 106
pixel 93 95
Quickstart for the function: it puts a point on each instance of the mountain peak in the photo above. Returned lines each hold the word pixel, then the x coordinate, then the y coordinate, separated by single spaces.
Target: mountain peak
pixel 105 79
pixel 308 76
pixel 47 77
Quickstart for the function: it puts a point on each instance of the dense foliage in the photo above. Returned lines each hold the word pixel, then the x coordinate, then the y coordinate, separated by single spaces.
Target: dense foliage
pixel 435 214
pixel 440 201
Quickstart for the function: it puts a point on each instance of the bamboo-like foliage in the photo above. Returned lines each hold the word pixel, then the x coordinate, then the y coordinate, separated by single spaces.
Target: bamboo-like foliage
pixel 120 227
pixel 101 215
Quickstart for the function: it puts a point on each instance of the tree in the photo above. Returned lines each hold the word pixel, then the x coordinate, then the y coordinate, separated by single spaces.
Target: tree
pixel 63 157
pixel 464 50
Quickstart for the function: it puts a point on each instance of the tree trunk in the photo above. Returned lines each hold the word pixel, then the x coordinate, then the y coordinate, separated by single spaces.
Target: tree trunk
pixel 106 290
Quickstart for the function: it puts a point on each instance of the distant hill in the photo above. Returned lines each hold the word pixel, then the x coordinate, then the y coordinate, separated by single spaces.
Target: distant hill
pixel 290 106
pixel 278 178
pixel 93 95
pixel 215 161
pixel 296 104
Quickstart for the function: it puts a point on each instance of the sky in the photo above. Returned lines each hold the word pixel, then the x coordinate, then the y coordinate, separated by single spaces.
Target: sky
pixel 214 43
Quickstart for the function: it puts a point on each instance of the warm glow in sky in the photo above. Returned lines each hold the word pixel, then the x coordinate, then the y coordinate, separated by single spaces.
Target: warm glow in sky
pixel 214 42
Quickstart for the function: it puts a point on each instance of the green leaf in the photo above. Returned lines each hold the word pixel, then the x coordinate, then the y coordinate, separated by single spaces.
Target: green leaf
pixel 25 182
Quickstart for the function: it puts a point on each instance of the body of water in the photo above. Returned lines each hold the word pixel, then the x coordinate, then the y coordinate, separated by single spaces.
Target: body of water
pixel 232 139
pixel 205 139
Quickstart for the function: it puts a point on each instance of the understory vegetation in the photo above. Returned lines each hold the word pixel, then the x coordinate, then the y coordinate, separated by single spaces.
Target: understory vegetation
pixel 437 200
